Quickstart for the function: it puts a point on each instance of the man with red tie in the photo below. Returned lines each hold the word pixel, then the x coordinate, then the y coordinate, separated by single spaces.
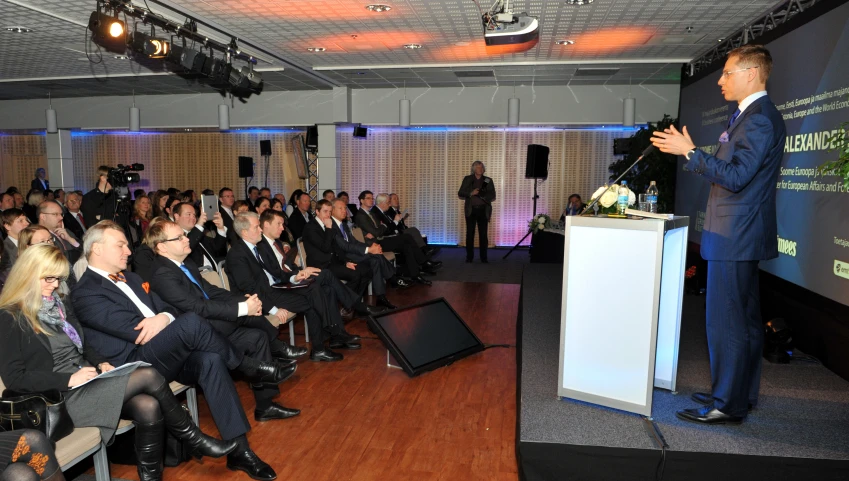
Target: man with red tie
pixel 73 218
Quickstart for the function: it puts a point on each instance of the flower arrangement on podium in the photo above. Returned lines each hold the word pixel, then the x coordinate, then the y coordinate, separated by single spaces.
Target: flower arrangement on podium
pixel 539 222
pixel 609 197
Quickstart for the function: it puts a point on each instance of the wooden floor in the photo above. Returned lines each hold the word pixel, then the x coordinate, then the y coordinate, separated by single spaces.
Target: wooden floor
pixel 361 420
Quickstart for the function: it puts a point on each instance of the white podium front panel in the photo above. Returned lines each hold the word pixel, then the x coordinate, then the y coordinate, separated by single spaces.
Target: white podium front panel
pixel 611 283
pixel 669 310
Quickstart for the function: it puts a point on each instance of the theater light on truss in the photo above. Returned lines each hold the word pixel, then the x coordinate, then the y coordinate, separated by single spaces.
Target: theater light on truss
pixel 107 31
pixel 149 45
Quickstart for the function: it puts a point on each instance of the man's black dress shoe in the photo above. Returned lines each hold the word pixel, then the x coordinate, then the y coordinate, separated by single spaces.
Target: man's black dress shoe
pixel 431 265
pixel 250 463
pixel 347 314
pixel 325 355
pixel 398 283
pixel 268 372
pixel 428 251
pixel 383 301
pixel 708 415
pixel 285 351
pixel 364 309
pixel 706 398
pixel 337 344
pixel 422 280
pixel 484 261
pixel 275 411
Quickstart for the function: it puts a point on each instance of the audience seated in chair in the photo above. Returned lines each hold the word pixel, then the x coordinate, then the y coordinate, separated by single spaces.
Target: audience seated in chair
pixel 374 230
pixel 125 322
pixel 238 318
pixel 43 347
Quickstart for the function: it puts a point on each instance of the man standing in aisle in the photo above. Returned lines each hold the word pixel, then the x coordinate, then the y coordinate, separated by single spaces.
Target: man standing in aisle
pixel 740 230
pixel 478 191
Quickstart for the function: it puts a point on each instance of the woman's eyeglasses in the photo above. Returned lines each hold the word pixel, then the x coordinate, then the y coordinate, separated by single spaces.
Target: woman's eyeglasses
pixel 52 279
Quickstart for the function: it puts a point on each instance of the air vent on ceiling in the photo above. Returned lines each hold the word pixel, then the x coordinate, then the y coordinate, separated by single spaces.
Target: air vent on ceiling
pixel 474 74
pixel 596 72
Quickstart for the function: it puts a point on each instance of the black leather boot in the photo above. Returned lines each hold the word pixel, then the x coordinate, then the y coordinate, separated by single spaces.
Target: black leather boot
pixel 178 423
pixel 150 444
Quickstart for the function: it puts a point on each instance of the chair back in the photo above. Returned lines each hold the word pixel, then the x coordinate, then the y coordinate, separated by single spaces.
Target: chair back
pixel 358 234
pixel 302 254
pixel 212 277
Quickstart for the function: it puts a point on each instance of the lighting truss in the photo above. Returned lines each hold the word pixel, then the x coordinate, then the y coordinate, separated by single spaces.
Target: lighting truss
pixel 776 16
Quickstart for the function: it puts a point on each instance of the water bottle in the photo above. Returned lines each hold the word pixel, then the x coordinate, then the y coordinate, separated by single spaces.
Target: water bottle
pixel 622 201
pixel 651 197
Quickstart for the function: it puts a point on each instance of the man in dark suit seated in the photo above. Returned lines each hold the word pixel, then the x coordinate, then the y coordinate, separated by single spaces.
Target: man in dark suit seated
pixel 300 217
pixel 374 231
pixel 50 216
pixel 124 322
pixel 355 251
pixel 324 252
pixel 206 251
pixel 178 282
pixel 252 268
pixel 574 207
pixel 740 230
pixel 73 218
pixel 40 181
pixel 272 227
pixel 7 201
pixel 226 199
pixel 394 222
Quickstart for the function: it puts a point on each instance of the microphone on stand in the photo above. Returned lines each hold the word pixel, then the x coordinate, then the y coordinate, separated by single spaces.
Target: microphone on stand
pixel 647 151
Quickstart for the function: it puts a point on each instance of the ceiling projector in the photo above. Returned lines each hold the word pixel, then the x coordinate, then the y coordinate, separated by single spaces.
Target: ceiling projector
pixel 502 27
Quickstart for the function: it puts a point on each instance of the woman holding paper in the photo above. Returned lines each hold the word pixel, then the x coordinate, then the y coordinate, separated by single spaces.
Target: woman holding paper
pixel 42 348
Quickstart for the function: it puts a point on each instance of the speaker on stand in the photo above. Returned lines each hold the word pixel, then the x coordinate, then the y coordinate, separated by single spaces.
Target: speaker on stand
pixel 265 152
pixel 536 167
pixel 246 171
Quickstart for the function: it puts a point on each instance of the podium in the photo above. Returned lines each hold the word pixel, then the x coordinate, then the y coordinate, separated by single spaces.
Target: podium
pixel 620 321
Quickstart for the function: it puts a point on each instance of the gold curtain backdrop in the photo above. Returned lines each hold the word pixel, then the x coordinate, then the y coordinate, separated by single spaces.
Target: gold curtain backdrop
pixel 424 167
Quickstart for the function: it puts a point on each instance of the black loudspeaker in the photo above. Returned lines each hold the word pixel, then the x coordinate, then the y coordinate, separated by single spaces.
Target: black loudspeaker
pixel 537 163
pixel 312 138
pixel 360 132
pixel 264 147
pixel 246 167
pixel 425 336
pixel 621 146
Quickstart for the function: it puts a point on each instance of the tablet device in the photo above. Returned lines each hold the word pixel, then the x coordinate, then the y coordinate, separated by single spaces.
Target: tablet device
pixel 210 206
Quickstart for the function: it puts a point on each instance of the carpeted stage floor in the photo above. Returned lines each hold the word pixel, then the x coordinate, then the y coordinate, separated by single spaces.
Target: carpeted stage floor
pixel 799 429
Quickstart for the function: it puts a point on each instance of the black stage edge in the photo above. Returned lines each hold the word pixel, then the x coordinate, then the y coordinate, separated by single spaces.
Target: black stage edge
pixel 799 431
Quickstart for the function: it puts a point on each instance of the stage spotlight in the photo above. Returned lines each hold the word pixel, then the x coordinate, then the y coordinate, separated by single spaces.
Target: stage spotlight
pixel 254 78
pixel 153 47
pixel 238 79
pixel 108 32
pixel 189 58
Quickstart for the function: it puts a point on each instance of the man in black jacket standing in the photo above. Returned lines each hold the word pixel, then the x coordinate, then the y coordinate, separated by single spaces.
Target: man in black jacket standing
pixel 478 192
pixel 178 282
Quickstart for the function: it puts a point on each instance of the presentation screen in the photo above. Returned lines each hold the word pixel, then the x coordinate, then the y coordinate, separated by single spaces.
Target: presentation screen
pixel 810 86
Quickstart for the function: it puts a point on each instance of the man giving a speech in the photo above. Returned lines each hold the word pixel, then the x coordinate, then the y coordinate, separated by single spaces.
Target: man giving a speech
pixel 739 231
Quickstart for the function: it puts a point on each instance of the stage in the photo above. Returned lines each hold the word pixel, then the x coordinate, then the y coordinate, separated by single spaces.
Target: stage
pixel 799 430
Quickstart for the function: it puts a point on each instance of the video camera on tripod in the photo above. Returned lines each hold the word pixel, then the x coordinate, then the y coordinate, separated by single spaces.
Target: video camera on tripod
pixel 121 176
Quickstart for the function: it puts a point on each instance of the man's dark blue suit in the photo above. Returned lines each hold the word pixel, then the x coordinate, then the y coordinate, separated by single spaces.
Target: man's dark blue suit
pixel 188 350
pixel 739 231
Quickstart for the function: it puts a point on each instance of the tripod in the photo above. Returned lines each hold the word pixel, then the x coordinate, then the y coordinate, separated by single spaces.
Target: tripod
pixel 529 229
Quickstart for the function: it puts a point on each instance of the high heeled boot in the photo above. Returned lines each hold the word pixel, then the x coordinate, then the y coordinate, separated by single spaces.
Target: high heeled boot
pixel 178 423
pixel 150 445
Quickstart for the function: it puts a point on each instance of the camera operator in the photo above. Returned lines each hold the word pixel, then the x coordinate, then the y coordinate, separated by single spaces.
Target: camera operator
pixel 94 201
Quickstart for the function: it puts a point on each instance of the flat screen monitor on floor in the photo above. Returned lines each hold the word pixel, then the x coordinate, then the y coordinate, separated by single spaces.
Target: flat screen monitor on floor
pixel 425 336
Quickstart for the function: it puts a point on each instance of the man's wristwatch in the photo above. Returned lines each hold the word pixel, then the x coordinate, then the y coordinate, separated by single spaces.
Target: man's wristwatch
pixel 688 154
